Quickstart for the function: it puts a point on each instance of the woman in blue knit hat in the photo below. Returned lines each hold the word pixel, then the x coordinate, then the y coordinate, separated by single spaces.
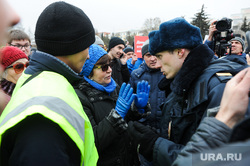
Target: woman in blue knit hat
pixel 108 108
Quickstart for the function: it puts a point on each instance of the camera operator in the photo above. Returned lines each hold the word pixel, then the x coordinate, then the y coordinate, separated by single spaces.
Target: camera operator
pixel 225 44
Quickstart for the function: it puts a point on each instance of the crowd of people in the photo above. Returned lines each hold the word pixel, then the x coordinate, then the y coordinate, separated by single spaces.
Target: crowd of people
pixel 72 101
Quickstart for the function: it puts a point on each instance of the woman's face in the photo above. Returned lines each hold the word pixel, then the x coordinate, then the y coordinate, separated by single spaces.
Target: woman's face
pixel 10 74
pixel 100 76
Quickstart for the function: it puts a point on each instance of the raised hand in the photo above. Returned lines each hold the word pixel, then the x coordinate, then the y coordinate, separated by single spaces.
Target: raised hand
pixel 124 100
pixel 142 94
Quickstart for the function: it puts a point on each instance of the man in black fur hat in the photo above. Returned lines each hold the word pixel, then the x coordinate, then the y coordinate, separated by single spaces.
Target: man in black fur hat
pixel 194 82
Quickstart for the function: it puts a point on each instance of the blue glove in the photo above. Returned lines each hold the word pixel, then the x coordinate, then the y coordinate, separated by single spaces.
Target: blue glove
pixel 142 94
pixel 124 100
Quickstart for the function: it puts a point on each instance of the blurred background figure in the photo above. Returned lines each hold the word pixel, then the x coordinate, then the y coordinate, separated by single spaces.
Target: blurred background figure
pixel 133 62
pixel 100 42
pixel 14 62
pixel 8 18
pixel 19 39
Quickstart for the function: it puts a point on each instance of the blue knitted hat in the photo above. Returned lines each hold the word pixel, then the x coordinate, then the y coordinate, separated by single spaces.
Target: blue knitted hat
pixel 175 33
pixel 95 53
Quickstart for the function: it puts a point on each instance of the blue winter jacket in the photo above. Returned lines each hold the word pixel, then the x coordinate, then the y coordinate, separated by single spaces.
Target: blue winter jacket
pixel 132 67
pixel 197 86
pixel 156 97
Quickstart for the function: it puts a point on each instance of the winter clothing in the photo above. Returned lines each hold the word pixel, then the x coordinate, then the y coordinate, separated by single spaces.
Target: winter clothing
pixel 50 126
pixel 109 88
pixel 144 136
pixel 211 45
pixel 114 41
pixel 76 32
pixel 95 52
pixel 215 137
pixel 132 67
pixel 10 55
pixel 176 33
pixel 156 97
pixel 239 39
pixel 43 133
pixel 98 40
pixel 7 86
pixel 111 137
pixel 144 48
pixel 128 49
pixel 120 72
pixel 194 89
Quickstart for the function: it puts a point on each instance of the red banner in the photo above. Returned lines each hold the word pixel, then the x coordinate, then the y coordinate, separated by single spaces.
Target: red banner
pixel 138 42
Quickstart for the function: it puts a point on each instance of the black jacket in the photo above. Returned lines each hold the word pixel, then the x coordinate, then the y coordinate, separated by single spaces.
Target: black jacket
pixel 111 138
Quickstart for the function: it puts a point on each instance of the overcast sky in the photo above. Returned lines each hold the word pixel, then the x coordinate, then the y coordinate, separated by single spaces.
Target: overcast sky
pixel 123 15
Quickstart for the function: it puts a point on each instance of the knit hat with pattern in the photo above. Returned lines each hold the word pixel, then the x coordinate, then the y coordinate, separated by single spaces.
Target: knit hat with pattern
pixel 95 53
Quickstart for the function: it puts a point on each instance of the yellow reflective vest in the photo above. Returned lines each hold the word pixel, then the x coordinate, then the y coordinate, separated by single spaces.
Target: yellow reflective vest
pixel 51 95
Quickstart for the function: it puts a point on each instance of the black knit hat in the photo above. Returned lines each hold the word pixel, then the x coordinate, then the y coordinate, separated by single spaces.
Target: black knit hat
pixel 144 48
pixel 114 41
pixel 63 29
pixel 128 49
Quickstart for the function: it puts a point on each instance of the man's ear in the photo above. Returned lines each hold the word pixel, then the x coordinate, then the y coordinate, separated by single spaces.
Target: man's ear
pixel 180 52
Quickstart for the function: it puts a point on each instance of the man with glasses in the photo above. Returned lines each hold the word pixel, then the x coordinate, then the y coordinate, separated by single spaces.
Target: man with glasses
pixel 19 39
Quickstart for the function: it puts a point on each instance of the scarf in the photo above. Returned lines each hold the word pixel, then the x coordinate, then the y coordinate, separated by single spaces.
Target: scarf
pixel 109 88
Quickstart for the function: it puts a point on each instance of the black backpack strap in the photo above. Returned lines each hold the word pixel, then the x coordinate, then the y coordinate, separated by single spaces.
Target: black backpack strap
pixel 31 77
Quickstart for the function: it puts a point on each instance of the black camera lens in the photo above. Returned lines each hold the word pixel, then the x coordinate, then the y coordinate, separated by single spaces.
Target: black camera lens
pixel 224 24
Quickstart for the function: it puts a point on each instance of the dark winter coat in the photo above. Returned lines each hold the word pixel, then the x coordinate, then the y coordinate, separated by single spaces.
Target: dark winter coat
pixel 156 97
pixel 120 73
pixel 215 137
pixel 112 140
pixel 196 87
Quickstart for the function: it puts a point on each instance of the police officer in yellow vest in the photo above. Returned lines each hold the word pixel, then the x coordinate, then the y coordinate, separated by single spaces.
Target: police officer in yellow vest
pixel 44 123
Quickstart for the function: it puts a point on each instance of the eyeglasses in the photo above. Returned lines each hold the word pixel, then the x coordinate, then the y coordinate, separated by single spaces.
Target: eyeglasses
pixel 21 46
pixel 104 67
pixel 19 67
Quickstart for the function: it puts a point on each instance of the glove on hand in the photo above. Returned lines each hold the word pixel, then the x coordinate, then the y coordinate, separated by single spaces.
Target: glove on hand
pixel 124 100
pixel 141 98
pixel 144 136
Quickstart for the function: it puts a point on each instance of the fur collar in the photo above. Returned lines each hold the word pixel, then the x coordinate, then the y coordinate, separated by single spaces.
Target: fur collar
pixel 197 60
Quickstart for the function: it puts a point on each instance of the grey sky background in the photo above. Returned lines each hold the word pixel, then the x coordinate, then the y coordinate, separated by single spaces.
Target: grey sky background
pixel 124 15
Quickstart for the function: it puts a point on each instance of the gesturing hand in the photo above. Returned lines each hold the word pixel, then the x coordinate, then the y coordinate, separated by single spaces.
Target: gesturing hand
pixel 124 100
pixel 142 94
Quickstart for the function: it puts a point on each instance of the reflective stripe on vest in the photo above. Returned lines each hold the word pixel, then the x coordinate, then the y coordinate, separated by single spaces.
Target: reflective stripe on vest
pixel 57 102
pixel 58 106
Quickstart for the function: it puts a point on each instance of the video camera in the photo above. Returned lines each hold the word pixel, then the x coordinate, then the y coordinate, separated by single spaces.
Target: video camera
pixel 221 37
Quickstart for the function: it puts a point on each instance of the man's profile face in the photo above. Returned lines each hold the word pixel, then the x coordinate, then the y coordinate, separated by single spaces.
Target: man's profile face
pixel 236 47
pixel 117 51
pixel 169 62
